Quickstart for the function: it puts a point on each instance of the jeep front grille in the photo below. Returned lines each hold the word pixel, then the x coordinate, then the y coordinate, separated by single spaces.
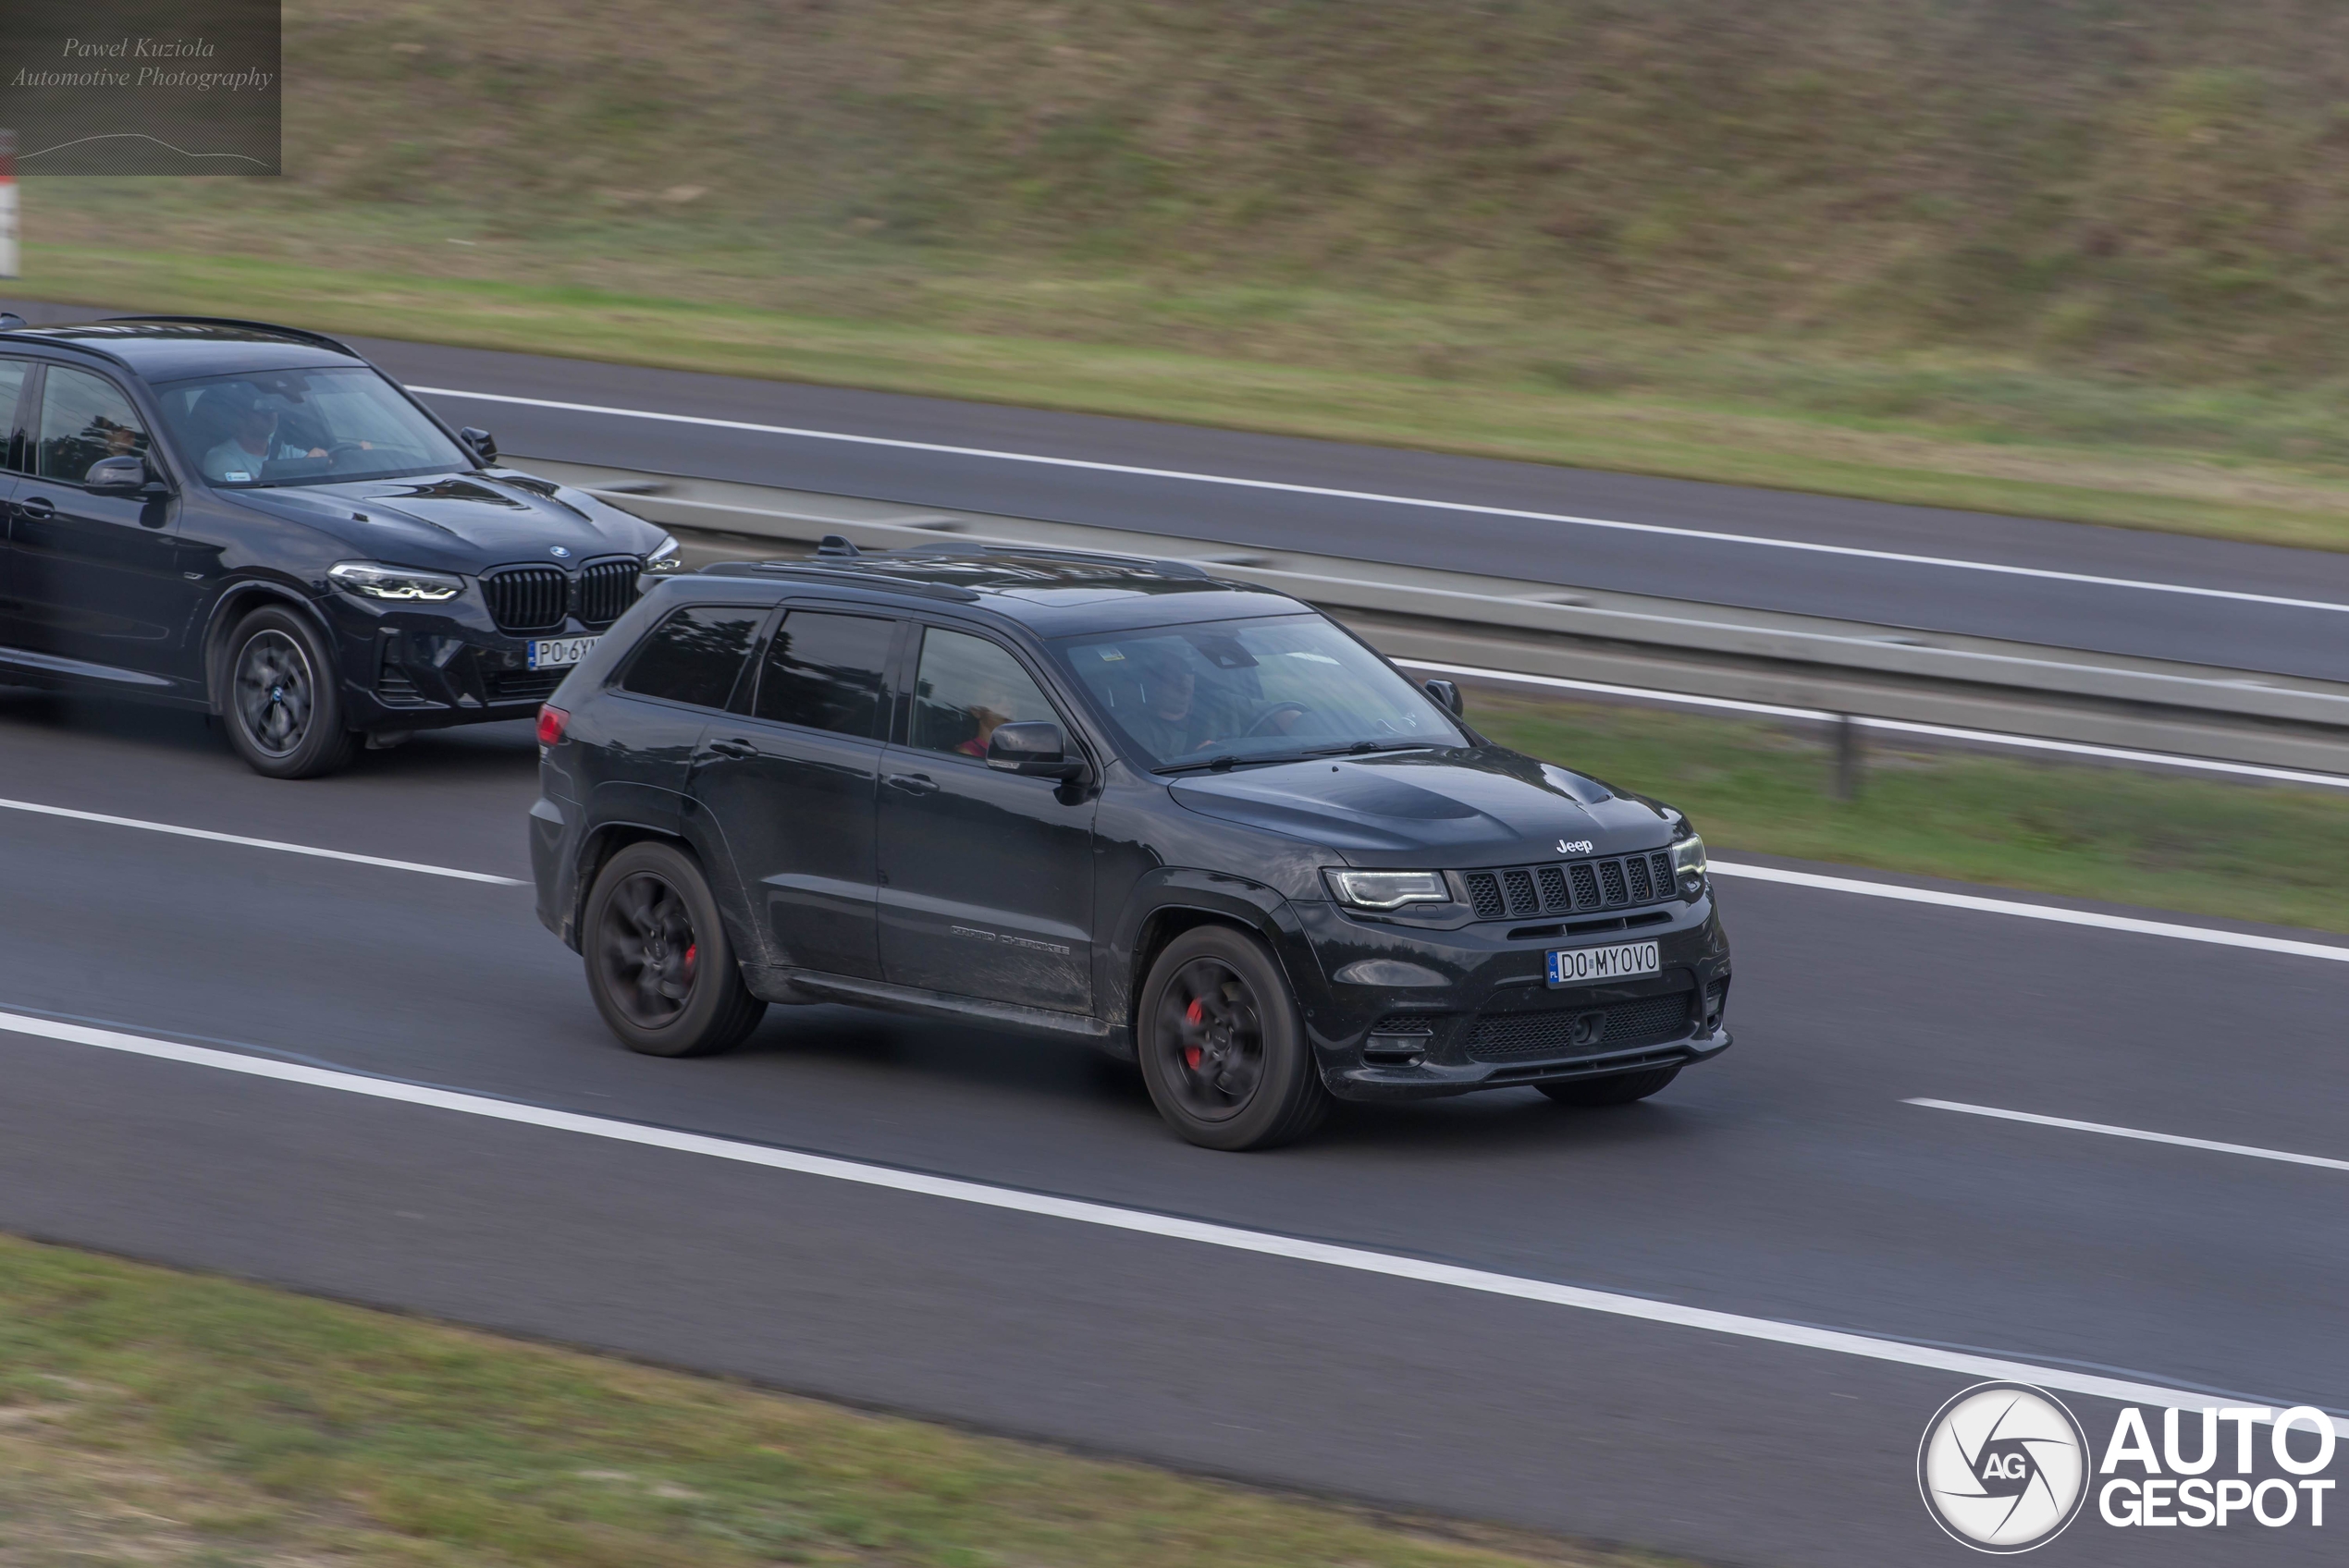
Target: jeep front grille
pixel 1513 892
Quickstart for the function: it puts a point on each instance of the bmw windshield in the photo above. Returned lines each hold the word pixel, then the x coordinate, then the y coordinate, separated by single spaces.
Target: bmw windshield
pixel 1230 692
pixel 303 427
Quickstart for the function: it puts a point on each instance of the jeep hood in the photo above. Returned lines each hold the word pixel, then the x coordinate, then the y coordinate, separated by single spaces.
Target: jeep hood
pixel 1412 810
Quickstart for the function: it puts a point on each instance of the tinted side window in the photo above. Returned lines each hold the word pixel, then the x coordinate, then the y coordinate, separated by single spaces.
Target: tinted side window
pixel 13 374
pixel 694 655
pixel 967 687
pixel 83 418
pixel 825 671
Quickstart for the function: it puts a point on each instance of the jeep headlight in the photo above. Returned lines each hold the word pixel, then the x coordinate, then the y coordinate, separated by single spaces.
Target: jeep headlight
pixel 664 557
pixel 1688 864
pixel 370 580
pixel 1388 889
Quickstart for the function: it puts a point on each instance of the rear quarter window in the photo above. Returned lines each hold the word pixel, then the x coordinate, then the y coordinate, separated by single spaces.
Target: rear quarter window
pixel 694 655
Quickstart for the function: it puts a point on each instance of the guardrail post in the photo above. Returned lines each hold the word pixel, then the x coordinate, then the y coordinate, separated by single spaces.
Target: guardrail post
pixel 1847 758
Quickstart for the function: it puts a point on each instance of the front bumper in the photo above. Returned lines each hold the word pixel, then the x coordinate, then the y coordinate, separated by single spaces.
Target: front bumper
pixel 406 668
pixel 1473 1009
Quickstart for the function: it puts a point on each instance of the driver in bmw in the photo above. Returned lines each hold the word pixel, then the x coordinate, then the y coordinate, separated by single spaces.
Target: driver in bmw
pixel 253 437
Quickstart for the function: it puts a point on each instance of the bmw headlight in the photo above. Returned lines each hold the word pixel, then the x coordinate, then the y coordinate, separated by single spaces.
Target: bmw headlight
pixel 1688 864
pixel 1388 889
pixel 370 580
pixel 664 559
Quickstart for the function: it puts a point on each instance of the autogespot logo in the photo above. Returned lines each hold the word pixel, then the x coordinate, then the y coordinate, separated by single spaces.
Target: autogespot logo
pixel 2003 1467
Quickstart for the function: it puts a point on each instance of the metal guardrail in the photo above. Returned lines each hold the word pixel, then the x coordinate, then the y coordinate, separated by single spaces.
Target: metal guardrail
pixel 1881 671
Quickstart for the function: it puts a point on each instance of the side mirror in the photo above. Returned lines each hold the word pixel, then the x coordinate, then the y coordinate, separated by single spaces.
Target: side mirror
pixel 1447 696
pixel 116 476
pixel 1034 750
pixel 482 444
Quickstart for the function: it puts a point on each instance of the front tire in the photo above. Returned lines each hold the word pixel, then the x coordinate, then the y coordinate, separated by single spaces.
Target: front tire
pixel 1223 1050
pixel 283 705
pixel 1621 1088
pixel 659 964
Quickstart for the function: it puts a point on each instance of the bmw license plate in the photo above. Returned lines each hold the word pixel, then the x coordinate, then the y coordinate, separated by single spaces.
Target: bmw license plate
pixel 1579 966
pixel 559 653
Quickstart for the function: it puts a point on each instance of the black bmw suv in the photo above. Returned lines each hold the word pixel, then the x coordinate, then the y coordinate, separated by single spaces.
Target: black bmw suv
pixel 1192 821
pixel 255 521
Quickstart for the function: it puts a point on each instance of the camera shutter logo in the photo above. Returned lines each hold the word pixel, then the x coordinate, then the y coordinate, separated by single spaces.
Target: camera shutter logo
pixel 2003 1467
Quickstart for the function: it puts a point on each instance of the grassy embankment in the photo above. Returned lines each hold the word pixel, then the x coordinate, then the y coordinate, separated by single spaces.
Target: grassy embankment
pixel 2202 847
pixel 2078 262
pixel 155 1417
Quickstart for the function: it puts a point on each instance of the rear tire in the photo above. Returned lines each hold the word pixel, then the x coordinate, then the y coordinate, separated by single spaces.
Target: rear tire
pixel 1223 1050
pixel 283 702
pixel 659 964
pixel 1620 1089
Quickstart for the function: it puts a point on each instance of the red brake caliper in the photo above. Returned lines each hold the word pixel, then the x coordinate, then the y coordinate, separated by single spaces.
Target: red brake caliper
pixel 1197 1016
pixel 691 949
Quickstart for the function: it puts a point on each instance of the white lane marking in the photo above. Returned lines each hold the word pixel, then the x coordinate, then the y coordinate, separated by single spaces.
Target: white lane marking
pixel 1140 1221
pixel 259 843
pixel 1377 498
pixel 1898 726
pixel 2249 1151
pixel 2037 911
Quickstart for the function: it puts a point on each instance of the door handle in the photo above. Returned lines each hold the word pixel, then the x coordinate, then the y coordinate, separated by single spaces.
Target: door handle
pixel 736 749
pixel 37 507
pixel 914 783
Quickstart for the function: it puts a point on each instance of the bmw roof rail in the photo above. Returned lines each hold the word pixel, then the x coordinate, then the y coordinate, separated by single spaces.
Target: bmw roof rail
pixel 300 332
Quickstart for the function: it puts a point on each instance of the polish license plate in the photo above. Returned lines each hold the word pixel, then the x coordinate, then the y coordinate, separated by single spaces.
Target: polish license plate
pixel 558 653
pixel 1579 966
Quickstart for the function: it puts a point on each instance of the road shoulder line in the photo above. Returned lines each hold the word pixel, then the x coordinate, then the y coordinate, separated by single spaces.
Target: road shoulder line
pixel 2093 918
pixel 1138 1221
pixel 205 833
pixel 2249 1151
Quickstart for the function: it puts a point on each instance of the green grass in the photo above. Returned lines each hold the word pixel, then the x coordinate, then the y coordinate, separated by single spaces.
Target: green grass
pixel 155 1417
pixel 997 339
pixel 2095 267
pixel 2233 851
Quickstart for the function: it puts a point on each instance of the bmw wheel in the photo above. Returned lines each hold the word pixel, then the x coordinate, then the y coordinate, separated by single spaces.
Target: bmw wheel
pixel 284 701
pixel 659 964
pixel 1222 1046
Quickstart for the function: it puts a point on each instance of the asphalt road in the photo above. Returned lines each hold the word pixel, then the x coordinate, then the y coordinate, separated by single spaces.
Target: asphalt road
pixel 1787 1180
pixel 1188 496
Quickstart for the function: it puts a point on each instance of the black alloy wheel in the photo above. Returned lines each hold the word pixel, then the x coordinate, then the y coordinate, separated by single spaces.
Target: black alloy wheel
pixel 647 951
pixel 659 967
pixel 1223 1050
pixel 282 700
pixel 1214 1037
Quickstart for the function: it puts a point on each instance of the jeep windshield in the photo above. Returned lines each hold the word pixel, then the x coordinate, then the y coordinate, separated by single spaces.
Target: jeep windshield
pixel 1231 691
pixel 303 427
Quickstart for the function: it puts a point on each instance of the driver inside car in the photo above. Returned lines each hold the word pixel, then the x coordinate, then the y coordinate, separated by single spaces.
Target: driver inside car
pixel 255 436
pixel 1179 716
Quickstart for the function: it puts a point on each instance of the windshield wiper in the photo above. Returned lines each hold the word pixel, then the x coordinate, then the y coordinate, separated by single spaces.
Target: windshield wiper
pixel 1365 748
pixel 1223 762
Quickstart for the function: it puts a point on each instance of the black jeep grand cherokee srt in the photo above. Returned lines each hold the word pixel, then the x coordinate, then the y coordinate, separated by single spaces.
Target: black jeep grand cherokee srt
pixel 255 521
pixel 1192 821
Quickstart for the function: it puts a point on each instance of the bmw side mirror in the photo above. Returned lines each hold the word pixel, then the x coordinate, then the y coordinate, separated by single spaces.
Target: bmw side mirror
pixel 1034 750
pixel 116 476
pixel 482 444
pixel 1447 697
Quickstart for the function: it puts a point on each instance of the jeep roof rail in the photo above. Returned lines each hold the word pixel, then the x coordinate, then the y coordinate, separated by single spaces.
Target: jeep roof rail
pixel 847 576
pixel 1163 566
